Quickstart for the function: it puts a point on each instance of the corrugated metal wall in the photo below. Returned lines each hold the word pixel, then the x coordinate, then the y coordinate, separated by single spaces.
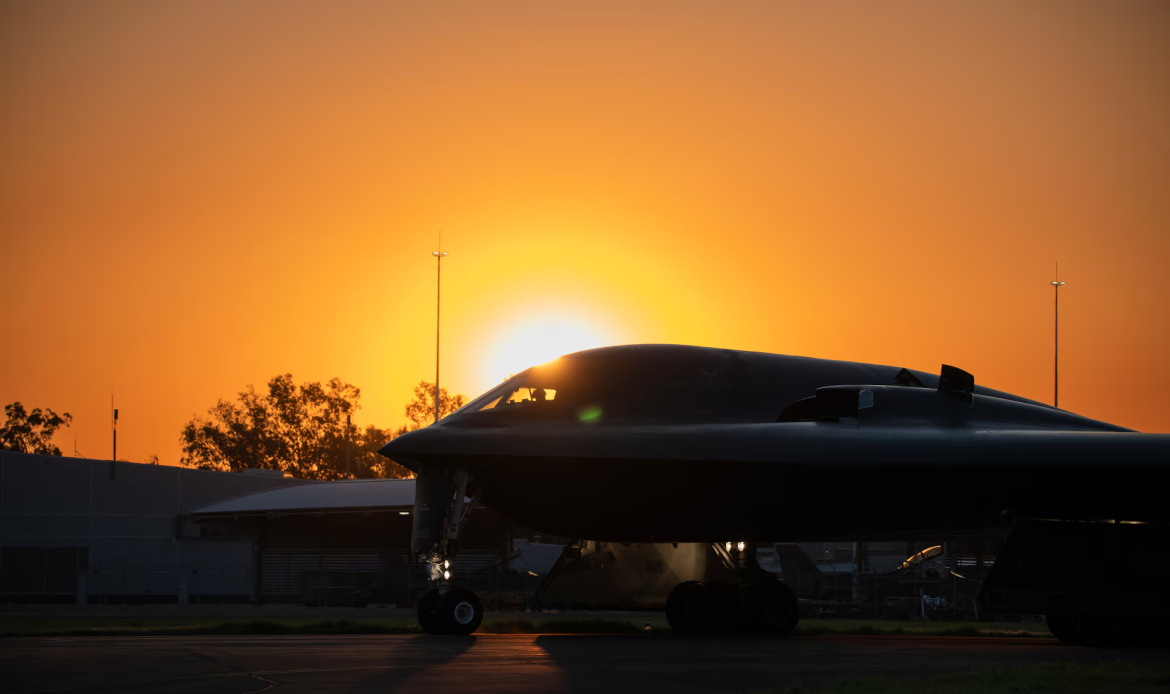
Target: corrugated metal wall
pixel 70 529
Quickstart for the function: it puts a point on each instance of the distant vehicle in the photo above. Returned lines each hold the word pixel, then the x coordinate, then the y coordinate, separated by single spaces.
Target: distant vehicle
pixel 669 443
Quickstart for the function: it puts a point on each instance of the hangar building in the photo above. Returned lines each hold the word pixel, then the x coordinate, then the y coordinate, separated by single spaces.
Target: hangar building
pixel 97 531
pixel 94 531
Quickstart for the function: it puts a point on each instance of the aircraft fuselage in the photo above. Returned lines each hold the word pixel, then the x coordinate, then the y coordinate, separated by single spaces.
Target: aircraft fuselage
pixel 682 444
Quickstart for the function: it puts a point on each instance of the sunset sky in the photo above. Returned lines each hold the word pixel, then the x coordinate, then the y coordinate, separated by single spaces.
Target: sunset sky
pixel 195 196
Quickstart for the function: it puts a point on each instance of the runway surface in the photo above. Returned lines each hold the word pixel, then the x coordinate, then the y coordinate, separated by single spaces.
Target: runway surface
pixel 496 663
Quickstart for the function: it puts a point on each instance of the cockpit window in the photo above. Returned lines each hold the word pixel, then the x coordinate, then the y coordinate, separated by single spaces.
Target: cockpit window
pixel 524 395
pixel 530 388
pixel 632 389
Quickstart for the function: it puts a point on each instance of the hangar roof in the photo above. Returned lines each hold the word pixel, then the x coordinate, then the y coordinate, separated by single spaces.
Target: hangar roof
pixel 346 496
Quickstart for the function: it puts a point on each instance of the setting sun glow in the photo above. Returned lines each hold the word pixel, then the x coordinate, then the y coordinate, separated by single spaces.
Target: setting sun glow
pixel 538 340
pixel 198 196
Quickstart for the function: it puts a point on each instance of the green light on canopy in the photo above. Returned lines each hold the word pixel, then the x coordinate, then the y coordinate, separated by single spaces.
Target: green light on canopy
pixel 589 414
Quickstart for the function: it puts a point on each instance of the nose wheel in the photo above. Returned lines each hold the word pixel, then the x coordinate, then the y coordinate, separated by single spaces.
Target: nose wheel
pixel 458 612
pixel 426 611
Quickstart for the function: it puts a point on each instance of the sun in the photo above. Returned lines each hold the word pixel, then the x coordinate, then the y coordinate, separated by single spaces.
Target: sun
pixel 539 340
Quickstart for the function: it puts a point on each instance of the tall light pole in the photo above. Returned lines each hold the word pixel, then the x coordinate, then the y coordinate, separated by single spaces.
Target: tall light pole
pixel 1056 285
pixel 439 255
pixel 114 426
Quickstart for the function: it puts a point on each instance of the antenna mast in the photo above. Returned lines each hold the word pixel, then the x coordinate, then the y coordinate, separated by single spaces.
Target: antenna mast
pixel 114 427
pixel 439 255
pixel 1056 285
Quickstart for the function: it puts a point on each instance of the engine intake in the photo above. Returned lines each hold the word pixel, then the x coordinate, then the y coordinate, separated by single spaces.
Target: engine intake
pixel 954 404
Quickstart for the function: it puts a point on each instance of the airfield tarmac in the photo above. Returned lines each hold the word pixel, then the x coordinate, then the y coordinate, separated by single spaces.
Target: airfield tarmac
pixel 497 663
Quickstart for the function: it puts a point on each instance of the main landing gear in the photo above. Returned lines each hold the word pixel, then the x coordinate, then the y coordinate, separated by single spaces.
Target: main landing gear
pixel 1108 630
pixel 440 513
pixel 1099 583
pixel 754 603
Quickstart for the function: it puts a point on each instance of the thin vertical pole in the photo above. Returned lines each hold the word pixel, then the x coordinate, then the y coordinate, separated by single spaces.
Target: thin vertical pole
pixel 114 459
pixel 438 315
pixel 347 446
pixel 1056 285
pixel 1056 346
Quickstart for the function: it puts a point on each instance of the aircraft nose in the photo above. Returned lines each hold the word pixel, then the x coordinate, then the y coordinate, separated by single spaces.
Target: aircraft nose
pixel 402 449
pixel 398 444
pixel 426 440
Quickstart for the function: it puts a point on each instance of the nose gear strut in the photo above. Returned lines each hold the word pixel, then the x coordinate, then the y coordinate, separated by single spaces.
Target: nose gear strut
pixel 439 516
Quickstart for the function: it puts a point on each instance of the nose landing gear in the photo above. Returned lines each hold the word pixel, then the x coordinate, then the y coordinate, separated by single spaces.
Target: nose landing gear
pixel 446 608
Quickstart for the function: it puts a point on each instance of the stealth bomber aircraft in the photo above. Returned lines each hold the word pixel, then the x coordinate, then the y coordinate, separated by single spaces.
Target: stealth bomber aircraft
pixel 669 443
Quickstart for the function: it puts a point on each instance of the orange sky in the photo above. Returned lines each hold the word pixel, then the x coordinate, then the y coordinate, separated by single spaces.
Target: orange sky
pixel 197 196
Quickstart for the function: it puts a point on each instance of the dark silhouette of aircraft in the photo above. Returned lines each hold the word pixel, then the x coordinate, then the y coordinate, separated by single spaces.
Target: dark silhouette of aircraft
pixel 668 443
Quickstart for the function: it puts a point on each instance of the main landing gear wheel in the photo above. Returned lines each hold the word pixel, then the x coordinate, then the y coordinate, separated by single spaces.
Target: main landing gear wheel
pixel 765 608
pixel 770 608
pixel 686 608
pixel 426 612
pixel 1067 629
pixel 1104 630
pixel 459 612
pixel 724 611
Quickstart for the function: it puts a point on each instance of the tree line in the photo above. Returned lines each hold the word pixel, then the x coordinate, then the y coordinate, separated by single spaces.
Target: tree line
pixel 299 430
pixel 31 432
pixel 302 431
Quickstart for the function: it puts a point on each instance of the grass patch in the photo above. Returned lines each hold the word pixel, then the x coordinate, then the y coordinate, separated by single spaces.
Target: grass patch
pixel 881 627
pixel 1119 677
pixel 402 625
pixel 228 628
pixel 181 625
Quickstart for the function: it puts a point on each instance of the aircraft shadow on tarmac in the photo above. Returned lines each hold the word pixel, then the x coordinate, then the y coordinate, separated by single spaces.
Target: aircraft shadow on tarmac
pixel 438 657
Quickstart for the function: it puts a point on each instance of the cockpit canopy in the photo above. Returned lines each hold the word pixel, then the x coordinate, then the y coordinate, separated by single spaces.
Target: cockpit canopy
pixel 650 384
pixel 636 387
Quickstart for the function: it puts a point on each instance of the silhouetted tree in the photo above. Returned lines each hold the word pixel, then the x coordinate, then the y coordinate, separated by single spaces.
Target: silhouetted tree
pixel 31 432
pixel 366 461
pixel 421 410
pixel 298 430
